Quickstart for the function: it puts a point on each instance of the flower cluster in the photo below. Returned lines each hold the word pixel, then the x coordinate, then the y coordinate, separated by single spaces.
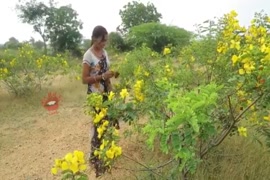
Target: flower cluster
pixel 166 51
pixel 72 164
pixel 3 73
pixel 107 132
pixel 138 91
pixel 249 48
pixel 108 151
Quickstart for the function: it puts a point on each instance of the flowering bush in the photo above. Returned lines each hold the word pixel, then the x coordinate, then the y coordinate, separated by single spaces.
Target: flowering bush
pixel 217 87
pixel 27 71
pixel 72 166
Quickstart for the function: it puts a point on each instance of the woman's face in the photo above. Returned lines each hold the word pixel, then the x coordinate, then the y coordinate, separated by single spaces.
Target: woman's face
pixel 101 42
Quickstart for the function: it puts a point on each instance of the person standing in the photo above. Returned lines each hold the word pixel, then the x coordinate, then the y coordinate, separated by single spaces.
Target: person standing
pixel 96 74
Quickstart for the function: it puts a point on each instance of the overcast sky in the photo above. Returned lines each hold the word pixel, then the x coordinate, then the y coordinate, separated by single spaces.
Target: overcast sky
pixel 184 14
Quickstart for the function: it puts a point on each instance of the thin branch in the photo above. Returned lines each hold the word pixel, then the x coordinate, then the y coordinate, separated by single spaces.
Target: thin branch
pixel 230 107
pixel 147 168
pixel 225 132
pixel 247 108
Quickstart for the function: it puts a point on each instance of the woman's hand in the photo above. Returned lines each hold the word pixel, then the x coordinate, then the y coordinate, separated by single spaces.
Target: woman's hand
pixel 108 74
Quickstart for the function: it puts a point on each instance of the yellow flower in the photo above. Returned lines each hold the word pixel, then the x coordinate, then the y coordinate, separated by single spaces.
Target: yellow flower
pixel 110 154
pixel 78 78
pixel 241 71
pixel 124 93
pixel 82 167
pixel 64 166
pixel 146 73
pixel 58 163
pixel 116 132
pixel 54 171
pixel 100 131
pixel 240 93
pixel 192 58
pixel 105 123
pixel 235 45
pixel 234 59
pixel 68 157
pixel 111 96
pixel 242 131
pixel 5 70
pixel 267 118
pixel 96 152
pixel 80 156
pixel 118 151
pixel 74 167
pixel 166 51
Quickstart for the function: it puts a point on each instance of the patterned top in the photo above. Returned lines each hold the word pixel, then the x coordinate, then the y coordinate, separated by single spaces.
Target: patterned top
pixel 97 67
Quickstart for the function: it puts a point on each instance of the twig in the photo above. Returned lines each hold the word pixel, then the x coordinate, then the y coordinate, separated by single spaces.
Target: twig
pixel 225 132
pixel 247 108
pixel 147 168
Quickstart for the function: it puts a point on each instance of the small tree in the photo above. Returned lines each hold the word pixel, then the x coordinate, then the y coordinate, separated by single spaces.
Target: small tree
pixel 36 14
pixel 12 43
pixel 59 26
pixel 136 13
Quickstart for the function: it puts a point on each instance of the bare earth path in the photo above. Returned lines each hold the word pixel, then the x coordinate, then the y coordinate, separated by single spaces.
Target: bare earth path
pixel 30 138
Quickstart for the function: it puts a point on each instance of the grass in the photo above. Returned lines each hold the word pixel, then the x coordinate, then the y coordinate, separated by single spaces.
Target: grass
pixel 30 140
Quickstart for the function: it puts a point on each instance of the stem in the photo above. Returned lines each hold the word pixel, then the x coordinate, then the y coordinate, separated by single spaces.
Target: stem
pixel 226 132
pixel 147 168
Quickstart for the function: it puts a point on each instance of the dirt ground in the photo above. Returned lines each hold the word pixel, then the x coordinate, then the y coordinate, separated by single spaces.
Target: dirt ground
pixel 31 138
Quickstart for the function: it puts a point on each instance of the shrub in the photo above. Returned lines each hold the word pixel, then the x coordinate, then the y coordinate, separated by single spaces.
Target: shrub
pixel 116 42
pixel 26 71
pixel 157 36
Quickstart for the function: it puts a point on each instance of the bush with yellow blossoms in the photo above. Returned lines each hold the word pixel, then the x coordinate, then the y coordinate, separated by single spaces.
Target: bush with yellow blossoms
pixel 26 70
pixel 71 167
pixel 106 116
pixel 217 87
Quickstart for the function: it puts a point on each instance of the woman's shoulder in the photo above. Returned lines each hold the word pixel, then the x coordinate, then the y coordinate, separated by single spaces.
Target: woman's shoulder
pixel 87 53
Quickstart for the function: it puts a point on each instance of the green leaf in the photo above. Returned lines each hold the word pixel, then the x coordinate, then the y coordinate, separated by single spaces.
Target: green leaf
pixel 83 177
pixel 164 143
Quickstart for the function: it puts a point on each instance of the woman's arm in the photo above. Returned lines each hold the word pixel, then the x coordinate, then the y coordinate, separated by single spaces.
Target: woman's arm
pixel 86 79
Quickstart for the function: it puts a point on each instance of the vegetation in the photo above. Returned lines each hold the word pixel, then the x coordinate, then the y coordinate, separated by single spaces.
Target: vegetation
pixel 59 26
pixel 136 13
pixel 191 100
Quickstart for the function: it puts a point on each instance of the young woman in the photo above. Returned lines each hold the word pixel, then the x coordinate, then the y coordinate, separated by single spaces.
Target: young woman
pixel 96 75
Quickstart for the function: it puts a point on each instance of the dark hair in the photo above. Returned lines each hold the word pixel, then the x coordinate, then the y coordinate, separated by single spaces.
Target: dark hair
pixel 99 31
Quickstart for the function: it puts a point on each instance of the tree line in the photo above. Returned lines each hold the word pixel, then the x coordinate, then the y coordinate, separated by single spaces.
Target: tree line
pixel 59 28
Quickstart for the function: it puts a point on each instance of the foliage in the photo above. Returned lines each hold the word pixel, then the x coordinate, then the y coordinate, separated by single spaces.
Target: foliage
pixel 57 25
pixel 136 13
pixel 64 29
pixel 218 87
pixel 157 36
pixel 27 71
pixel 12 43
pixel 105 115
pixel 117 42
pixel 72 166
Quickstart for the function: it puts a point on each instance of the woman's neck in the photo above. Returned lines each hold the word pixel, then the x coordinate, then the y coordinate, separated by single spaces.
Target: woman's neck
pixel 96 49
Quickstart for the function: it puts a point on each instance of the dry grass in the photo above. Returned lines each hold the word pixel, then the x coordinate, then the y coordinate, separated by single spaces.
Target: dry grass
pixel 30 140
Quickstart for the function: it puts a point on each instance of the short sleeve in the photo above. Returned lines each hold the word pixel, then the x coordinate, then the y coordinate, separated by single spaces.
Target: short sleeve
pixel 87 59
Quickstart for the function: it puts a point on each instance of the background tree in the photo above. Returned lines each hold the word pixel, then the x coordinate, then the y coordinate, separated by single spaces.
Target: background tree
pixel 64 29
pixel 157 36
pixel 136 13
pixel 36 14
pixel 12 43
pixel 59 26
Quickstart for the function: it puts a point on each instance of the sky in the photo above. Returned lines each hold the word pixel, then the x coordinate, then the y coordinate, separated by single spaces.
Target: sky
pixel 184 14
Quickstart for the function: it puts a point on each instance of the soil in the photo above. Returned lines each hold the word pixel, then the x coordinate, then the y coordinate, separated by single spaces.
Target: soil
pixel 31 138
